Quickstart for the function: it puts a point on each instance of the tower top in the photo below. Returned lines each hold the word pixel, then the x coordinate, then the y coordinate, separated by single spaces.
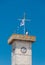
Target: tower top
pixel 20 37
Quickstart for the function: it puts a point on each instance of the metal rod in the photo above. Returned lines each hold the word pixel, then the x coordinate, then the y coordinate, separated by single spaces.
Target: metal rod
pixel 24 23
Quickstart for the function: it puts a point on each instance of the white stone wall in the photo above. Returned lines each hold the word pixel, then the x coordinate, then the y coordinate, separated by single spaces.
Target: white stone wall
pixel 19 58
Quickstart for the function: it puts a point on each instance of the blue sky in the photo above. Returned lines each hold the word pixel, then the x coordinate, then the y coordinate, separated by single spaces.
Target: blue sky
pixel 10 11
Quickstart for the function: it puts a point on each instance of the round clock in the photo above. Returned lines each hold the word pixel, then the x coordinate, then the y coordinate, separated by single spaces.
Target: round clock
pixel 23 50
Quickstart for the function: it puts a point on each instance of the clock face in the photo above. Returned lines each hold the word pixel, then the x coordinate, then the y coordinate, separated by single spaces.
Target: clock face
pixel 23 50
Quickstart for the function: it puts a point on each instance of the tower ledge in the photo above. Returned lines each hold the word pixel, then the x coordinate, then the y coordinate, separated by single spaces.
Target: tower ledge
pixel 21 37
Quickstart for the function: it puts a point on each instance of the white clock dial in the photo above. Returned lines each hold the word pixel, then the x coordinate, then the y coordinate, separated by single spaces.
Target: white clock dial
pixel 23 50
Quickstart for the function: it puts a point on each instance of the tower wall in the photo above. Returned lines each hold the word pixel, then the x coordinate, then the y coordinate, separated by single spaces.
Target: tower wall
pixel 21 53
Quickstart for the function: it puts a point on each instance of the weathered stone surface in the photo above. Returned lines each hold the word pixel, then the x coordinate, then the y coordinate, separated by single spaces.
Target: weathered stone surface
pixel 19 58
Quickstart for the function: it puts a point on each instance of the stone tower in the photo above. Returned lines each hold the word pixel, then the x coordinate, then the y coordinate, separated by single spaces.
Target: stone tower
pixel 21 49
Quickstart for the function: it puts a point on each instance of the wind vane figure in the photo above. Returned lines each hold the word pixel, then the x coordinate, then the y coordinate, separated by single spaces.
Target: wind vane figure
pixel 23 20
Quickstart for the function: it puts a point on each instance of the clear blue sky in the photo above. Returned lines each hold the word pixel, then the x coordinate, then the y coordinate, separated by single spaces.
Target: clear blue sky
pixel 10 11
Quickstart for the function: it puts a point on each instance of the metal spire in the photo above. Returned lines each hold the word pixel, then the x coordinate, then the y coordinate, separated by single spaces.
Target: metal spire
pixel 23 20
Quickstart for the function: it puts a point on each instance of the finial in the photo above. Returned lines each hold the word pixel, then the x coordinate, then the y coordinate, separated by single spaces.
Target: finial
pixel 27 33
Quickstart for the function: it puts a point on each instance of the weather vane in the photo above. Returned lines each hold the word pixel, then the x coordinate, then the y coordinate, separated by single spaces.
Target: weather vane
pixel 23 20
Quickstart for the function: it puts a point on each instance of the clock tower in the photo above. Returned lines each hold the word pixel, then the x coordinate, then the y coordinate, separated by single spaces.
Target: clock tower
pixel 21 49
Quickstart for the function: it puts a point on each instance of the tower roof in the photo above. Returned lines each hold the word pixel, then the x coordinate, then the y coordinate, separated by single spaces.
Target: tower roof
pixel 21 38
